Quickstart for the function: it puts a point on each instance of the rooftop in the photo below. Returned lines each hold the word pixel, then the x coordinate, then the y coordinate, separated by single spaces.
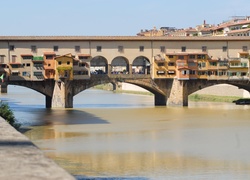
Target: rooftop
pixel 122 38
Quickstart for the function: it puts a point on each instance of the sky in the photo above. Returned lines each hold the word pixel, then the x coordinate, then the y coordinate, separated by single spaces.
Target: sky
pixel 111 17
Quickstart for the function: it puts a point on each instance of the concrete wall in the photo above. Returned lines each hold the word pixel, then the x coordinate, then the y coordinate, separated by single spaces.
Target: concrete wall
pixel 21 159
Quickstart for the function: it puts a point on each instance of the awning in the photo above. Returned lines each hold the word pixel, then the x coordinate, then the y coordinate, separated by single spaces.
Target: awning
pixel 38 58
pixel 246 53
pixel 84 55
pixel 26 55
pixel 12 63
pixel 49 53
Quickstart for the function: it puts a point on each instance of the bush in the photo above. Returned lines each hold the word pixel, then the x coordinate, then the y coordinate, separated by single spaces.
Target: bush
pixel 8 115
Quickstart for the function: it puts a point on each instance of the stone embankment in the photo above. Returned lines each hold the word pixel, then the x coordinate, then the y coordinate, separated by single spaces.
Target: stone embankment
pixel 21 159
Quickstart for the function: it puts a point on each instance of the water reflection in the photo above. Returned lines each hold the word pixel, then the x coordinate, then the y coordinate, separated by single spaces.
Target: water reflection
pixel 150 165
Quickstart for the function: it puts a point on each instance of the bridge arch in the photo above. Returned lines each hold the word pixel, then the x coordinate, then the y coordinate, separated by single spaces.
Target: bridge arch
pixel 99 65
pixel 196 85
pixel 120 65
pixel 141 65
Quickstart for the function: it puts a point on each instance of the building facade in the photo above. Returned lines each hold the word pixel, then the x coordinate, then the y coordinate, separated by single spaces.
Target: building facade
pixel 37 58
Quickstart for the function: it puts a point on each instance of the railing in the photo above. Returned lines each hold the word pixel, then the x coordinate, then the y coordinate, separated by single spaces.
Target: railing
pixel 234 59
pixel 239 78
pixel 121 76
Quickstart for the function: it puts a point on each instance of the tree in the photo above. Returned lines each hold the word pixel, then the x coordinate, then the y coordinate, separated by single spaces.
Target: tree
pixel 8 115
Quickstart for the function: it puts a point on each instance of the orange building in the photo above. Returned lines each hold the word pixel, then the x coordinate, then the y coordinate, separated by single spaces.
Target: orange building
pixel 49 65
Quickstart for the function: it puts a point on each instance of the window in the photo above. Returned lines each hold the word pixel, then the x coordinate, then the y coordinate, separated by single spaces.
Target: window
pixel 15 66
pixel 33 49
pixel 83 57
pixel 222 73
pixel 68 62
pixel 13 58
pixel 120 49
pixel 161 64
pixel 193 72
pixel 223 64
pixel 141 48
pixel 38 74
pixel 191 56
pixel 163 49
pixel 27 57
pixel 183 49
pixel 49 56
pixel 11 47
pixel 224 48
pixel 84 72
pixel 1 58
pixel 60 62
pixel 201 56
pixel 38 65
pixel 204 48
pixel 56 48
pixel 243 64
pixel 28 64
pixel 171 64
pixel 213 63
pixel 244 49
pixel 77 49
pixel 170 56
pixel 180 57
pixel 98 48
pixel 24 73
pixel 191 64
pixel 201 64
pixel 184 72
pixel 3 66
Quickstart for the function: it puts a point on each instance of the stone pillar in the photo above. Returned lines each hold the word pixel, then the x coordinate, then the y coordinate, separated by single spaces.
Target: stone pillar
pixel 109 69
pixel 130 69
pixel 48 101
pixel 3 88
pixel 62 96
pixel 160 100
pixel 178 94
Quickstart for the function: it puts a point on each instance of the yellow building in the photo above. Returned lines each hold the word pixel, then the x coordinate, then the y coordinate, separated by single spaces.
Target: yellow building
pixel 64 67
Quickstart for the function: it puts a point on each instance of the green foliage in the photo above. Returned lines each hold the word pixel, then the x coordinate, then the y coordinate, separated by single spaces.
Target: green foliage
pixel 8 115
pixel 212 98
pixel 64 68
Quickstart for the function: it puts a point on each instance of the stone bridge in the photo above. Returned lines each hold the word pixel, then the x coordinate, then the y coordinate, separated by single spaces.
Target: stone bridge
pixel 171 92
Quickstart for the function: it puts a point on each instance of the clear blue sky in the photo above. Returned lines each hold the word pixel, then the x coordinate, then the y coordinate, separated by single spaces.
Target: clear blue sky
pixel 111 17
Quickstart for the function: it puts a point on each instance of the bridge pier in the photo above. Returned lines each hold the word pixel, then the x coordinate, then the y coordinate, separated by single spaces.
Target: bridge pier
pixel 179 94
pixel 48 101
pixel 3 88
pixel 160 100
pixel 62 95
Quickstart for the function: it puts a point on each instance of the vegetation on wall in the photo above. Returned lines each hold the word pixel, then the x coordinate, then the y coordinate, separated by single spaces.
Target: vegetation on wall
pixel 62 69
pixel 212 98
pixel 7 114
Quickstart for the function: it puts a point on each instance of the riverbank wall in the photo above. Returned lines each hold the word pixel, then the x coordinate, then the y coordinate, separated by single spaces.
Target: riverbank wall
pixel 21 159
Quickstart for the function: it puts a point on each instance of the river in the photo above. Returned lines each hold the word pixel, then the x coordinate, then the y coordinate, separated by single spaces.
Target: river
pixel 123 136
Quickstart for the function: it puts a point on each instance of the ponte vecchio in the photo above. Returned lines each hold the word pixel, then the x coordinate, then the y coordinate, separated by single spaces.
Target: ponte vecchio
pixel 171 68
